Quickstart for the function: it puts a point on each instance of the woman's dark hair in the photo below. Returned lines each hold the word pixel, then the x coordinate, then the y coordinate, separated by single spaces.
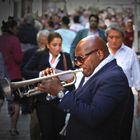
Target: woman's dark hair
pixel 53 35
pixel 7 25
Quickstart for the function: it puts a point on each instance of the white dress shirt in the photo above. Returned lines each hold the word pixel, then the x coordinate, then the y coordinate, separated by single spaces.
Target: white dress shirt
pixel 53 65
pixel 128 60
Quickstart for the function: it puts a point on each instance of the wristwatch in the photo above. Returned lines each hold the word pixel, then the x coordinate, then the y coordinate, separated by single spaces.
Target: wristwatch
pixel 61 93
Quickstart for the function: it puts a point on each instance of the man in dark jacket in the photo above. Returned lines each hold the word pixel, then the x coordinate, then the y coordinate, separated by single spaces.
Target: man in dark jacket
pixel 99 107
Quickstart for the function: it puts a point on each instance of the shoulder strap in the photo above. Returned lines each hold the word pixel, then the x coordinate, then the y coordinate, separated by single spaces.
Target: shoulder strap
pixel 64 61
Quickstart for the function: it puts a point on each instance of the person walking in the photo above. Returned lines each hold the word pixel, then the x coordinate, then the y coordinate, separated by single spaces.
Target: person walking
pixel 12 56
pixel 29 102
pixel 127 59
pixel 51 119
pixel 92 30
pixel 67 34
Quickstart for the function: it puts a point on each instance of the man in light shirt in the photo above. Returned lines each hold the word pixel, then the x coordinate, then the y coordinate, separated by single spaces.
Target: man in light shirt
pixel 67 34
pixel 76 25
pixel 126 58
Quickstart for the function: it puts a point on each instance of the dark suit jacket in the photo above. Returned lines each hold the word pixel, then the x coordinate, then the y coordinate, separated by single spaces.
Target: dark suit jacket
pixel 98 108
pixel 28 55
pixel 40 61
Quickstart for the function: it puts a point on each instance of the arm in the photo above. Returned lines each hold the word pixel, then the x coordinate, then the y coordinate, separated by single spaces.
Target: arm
pixel 138 104
pixel 31 70
pixel 96 102
pixel 16 51
pixel 135 72
pixel 104 104
pixel 135 69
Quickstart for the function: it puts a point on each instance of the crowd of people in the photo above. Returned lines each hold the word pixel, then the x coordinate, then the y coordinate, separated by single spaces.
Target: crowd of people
pixel 102 105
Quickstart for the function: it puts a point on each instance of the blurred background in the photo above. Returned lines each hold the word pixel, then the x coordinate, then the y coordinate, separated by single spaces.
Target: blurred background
pixel 40 8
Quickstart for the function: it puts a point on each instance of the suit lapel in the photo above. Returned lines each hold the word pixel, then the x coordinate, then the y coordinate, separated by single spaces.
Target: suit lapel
pixel 60 63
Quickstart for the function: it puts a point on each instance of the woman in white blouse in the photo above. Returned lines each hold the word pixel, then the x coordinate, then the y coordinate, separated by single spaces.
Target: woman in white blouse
pixel 51 119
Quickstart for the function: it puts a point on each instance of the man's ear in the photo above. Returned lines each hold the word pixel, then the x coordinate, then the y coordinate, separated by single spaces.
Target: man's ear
pixel 100 54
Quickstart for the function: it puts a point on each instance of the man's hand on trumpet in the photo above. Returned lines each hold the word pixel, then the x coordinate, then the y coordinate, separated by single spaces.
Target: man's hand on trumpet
pixel 51 86
pixel 47 71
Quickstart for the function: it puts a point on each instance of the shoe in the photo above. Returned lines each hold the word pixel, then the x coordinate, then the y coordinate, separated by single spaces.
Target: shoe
pixel 17 132
pixel 14 132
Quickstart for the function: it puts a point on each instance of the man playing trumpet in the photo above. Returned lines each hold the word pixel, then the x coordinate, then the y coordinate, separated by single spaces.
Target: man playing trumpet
pixel 98 107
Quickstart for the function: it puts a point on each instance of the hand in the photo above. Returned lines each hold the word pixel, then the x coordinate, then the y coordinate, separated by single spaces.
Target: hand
pixel 48 71
pixel 138 104
pixel 70 80
pixel 51 86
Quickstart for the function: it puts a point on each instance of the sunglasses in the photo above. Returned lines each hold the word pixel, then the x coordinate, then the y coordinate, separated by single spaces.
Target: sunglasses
pixel 81 59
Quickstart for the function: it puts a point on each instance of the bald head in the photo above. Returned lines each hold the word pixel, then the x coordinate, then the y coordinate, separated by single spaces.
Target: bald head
pixel 92 42
pixel 89 53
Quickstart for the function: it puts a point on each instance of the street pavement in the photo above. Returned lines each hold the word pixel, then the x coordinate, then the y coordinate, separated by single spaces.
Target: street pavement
pixel 23 125
pixel 24 122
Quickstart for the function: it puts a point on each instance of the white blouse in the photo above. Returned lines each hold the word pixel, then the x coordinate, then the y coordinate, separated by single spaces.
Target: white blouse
pixel 53 65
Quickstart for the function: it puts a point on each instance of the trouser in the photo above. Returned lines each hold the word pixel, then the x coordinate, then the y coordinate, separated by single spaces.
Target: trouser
pixel 34 127
pixel 51 121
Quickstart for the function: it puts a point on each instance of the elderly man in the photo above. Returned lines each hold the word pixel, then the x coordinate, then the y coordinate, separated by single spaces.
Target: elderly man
pixel 127 59
pixel 98 107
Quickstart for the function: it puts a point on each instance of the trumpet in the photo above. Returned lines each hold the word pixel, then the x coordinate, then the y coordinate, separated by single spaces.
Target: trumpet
pixel 8 86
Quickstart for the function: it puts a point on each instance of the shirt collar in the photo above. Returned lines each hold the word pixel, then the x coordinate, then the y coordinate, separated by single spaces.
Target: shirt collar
pixel 104 62
pixel 120 49
pixel 53 65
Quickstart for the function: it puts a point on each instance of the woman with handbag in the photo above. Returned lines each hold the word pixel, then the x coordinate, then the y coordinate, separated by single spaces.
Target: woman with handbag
pixel 51 119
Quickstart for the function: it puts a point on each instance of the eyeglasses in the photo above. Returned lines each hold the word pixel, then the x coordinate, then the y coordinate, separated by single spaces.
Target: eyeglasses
pixel 81 59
